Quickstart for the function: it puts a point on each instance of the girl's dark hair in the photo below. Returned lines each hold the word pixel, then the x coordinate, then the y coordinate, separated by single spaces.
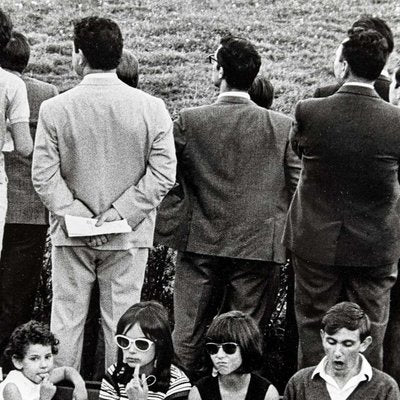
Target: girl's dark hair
pixel 16 53
pixel 238 327
pixel 5 31
pixel 152 318
pixel 33 332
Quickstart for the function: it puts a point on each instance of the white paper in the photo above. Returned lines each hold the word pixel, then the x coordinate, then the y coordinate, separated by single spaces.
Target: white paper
pixel 80 226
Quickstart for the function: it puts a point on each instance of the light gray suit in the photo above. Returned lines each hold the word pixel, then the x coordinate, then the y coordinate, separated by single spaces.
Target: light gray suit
pixel 101 144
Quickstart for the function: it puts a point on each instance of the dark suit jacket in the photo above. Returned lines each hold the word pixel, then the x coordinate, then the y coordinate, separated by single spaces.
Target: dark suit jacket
pixel 24 205
pixel 381 85
pixel 346 207
pixel 237 173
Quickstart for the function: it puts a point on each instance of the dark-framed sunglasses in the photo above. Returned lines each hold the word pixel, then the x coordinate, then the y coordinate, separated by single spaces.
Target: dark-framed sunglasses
pixel 140 344
pixel 228 348
pixel 211 58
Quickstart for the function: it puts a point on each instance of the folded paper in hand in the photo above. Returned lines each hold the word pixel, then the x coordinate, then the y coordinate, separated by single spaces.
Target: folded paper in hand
pixel 80 226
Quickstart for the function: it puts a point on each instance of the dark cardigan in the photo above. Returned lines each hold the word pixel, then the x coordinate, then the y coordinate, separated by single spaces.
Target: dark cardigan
pixel 302 387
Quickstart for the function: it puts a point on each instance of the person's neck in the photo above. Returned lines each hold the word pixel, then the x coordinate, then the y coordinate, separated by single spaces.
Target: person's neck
pixel 342 378
pixel 357 79
pixel 224 88
pixel 88 70
pixel 234 382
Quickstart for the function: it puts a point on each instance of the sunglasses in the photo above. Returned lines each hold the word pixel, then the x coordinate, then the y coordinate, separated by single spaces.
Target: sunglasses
pixel 228 348
pixel 140 344
pixel 211 58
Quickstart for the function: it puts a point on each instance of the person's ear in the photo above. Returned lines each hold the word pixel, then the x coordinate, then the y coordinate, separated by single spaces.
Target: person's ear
pixel 365 343
pixel 322 333
pixel 17 362
pixel 220 72
pixel 345 70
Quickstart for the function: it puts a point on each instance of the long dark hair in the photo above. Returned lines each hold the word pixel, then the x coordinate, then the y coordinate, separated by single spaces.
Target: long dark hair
pixel 153 321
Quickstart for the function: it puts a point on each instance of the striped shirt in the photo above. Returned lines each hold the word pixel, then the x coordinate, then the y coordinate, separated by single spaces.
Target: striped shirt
pixel 178 388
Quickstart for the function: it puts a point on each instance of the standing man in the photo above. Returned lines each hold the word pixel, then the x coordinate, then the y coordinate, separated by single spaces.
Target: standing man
pixel 238 173
pixel 103 150
pixel 382 83
pixel 27 220
pixel 343 225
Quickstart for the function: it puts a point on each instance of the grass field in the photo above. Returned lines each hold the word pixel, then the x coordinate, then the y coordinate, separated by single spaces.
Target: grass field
pixel 296 38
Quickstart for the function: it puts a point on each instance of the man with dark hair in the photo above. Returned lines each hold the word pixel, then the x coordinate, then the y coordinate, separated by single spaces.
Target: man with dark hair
pixel 238 173
pixel 343 226
pixel 381 83
pixel 27 221
pixel 103 150
pixel 344 373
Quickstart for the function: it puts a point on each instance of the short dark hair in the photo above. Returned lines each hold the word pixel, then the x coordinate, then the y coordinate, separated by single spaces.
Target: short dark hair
pixel 366 53
pixel 100 40
pixel 378 24
pixel 346 315
pixel 16 53
pixel 262 92
pixel 240 61
pixel 238 327
pixel 32 332
pixel 152 318
pixel 5 31
pixel 128 69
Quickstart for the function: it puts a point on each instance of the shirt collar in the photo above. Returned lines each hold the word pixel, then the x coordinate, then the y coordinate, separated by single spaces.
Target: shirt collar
pixel 244 95
pixel 365 371
pixel 100 78
pixel 362 84
pixel 385 73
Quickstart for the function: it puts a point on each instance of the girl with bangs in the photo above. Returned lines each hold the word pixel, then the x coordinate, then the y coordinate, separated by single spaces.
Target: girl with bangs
pixel 144 368
pixel 234 346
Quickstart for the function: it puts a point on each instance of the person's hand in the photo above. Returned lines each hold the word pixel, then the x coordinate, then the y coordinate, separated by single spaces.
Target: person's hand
pixel 95 241
pixel 108 216
pixel 47 389
pixel 137 388
pixel 80 393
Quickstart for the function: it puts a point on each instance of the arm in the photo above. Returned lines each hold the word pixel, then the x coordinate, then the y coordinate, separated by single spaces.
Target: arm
pixel 294 135
pixel 18 116
pixel 72 375
pixel 292 169
pixel 140 199
pixel 194 394
pixel 11 392
pixel 22 138
pixel 272 393
pixel 46 173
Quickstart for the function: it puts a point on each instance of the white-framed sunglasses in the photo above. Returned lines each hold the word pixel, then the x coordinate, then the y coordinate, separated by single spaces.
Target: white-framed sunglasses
pixel 140 344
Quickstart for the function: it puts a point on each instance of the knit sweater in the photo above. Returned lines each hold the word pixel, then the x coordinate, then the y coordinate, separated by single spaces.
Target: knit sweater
pixel 302 386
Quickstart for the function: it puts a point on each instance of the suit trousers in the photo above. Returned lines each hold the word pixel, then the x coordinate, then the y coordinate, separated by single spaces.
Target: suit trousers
pixel 20 268
pixel 120 275
pixel 209 285
pixel 318 287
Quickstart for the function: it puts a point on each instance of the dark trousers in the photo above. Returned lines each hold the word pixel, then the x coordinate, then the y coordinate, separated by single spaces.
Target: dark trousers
pixel 318 287
pixel 391 357
pixel 209 285
pixel 20 267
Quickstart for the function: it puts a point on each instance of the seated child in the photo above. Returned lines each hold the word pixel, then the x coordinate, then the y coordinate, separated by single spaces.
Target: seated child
pixel 233 343
pixel 144 369
pixel 31 349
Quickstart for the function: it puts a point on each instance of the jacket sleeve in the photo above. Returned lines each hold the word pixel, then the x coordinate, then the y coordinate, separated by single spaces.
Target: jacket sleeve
pixel 46 173
pixel 140 199
pixel 294 135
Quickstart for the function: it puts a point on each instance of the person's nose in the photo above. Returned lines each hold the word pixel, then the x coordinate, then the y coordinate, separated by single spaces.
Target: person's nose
pixel 132 348
pixel 44 363
pixel 220 353
pixel 338 350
